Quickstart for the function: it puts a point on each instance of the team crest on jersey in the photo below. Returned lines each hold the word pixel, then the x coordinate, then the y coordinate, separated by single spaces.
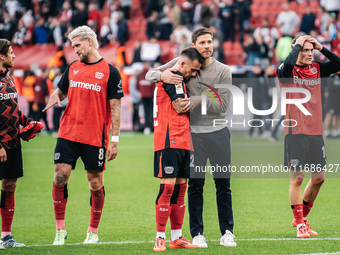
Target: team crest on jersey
pixel 314 70
pixel 179 89
pixel 75 72
pixel 99 75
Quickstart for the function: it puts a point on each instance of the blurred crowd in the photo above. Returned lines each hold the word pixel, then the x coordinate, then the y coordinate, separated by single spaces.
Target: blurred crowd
pixel 263 46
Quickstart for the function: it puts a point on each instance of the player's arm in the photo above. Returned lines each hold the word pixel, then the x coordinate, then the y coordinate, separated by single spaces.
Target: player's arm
pixel 112 150
pixel 57 96
pixel 23 120
pixel 115 93
pixel 180 104
pixel 285 70
pixel 177 96
pixel 61 92
pixel 3 154
pixel 333 66
pixel 164 73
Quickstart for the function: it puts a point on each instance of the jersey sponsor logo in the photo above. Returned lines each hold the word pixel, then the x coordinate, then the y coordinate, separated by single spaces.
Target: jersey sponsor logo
pixel 294 162
pixel 308 82
pixel 314 70
pixel 75 72
pixel 57 156
pixel 99 75
pixel 179 89
pixel 85 85
pixel 168 169
pixel 5 96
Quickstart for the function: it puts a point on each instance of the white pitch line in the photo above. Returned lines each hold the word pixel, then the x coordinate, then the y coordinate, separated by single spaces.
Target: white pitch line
pixel 321 253
pixel 291 239
pixel 212 240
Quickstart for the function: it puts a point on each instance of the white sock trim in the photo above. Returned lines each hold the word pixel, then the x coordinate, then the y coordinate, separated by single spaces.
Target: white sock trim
pixel 176 234
pixel 161 235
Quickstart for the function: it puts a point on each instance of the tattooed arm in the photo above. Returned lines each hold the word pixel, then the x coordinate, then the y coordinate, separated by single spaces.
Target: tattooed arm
pixel 179 104
pixel 115 120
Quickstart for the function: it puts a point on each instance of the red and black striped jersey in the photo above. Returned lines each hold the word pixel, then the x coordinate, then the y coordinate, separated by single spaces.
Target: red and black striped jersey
pixel 171 130
pixel 90 87
pixel 11 117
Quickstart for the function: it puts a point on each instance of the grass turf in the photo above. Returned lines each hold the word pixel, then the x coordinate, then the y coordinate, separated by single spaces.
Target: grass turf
pixel 261 205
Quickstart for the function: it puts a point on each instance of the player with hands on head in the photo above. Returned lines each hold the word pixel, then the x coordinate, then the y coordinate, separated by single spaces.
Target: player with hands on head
pixel 94 90
pixel 304 145
pixel 172 145
pixel 11 166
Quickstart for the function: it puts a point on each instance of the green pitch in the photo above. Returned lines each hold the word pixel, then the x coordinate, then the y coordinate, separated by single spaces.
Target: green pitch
pixel 261 206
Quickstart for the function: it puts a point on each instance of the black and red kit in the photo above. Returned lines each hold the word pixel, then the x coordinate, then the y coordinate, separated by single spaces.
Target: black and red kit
pixel 10 116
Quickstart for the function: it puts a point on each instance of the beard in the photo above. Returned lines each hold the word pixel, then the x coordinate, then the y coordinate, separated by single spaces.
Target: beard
pixel 8 65
pixel 84 57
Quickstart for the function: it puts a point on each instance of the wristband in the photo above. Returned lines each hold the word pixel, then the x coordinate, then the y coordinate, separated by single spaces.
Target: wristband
pixel 115 139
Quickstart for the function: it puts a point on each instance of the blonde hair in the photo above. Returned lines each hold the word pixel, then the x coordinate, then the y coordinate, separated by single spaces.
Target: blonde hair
pixel 84 32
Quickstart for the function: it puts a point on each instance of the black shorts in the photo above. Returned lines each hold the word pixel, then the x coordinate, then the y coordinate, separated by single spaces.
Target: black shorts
pixel 172 163
pixel 12 168
pixel 304 152
pixel 68 152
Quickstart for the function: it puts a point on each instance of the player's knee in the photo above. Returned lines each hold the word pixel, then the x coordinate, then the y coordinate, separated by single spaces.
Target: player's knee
pixel 297 181
pixel 96 184
pixel 60 178
pixel 318 181
pixel 9 186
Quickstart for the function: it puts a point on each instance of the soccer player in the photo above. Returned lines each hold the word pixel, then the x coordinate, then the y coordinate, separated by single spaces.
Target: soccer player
pixel 172 150
pixel 208 141
pixel 94 91
pixel 304 145
pixel 11 167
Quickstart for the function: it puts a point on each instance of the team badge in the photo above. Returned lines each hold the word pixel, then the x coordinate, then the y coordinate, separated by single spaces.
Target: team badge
pixel 179 89
pixel 57 156
pixel 294 162
pixel 168 169
pixel 99 75
pixel 314 70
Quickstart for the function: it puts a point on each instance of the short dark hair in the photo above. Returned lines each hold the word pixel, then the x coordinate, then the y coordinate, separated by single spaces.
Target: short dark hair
pixel 193 54
pixel 198 32
pixel 4 46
